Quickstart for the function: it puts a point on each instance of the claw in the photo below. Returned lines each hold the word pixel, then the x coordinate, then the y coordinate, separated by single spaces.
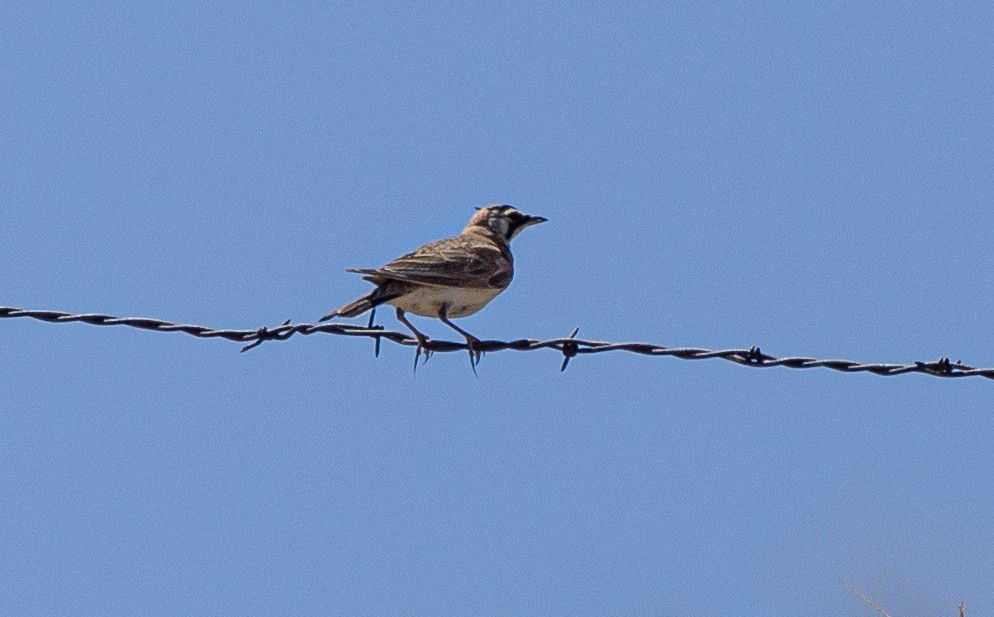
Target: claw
pixel 474 355
pixel 421 349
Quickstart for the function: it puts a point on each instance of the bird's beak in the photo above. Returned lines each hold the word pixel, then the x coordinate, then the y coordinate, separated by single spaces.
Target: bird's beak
pixel 520 220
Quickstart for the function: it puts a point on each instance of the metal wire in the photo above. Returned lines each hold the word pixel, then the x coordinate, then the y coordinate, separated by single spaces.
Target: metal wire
pixel 869 601
pixel 569 347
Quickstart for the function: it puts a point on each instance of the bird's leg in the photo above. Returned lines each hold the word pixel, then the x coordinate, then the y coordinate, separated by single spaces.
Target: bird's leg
pixel 422 339
pixel 369 326
pixel 471 341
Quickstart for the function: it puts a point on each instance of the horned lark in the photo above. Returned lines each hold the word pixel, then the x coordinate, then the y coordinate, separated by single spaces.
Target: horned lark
pixel 450 278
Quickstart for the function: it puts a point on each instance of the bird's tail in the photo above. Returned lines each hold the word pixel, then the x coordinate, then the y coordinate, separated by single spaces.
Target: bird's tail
pixel 363 304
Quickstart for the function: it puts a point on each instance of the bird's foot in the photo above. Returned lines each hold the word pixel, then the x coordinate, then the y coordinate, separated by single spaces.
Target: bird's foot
pixel 422 348
pixel 475 354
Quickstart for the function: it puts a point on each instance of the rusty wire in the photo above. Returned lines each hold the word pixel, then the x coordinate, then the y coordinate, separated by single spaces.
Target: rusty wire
pixel 569 347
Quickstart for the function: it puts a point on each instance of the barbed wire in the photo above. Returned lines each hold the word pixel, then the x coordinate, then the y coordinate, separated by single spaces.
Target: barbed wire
pixel 871 603
pixel 569 347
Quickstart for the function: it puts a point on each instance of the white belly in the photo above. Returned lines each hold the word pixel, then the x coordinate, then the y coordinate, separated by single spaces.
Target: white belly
pixel 459 302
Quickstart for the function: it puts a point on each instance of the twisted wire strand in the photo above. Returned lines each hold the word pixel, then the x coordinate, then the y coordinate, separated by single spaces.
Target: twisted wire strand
pixel 569 347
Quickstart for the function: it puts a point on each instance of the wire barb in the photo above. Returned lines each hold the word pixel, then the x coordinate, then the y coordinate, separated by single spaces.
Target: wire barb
pixel 264 334
pixel 569 347
pixel 755 356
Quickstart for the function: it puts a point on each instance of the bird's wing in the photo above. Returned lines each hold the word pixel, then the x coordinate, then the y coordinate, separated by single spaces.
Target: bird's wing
pixel 453 262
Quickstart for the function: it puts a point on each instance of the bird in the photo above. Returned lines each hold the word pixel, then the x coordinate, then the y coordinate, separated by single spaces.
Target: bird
pixel 447 279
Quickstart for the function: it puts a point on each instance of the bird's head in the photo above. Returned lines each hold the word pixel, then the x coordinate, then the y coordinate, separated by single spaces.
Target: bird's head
pixel 502 220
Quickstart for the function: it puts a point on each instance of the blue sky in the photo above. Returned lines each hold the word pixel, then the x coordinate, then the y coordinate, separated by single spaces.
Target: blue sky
pixel 813 179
